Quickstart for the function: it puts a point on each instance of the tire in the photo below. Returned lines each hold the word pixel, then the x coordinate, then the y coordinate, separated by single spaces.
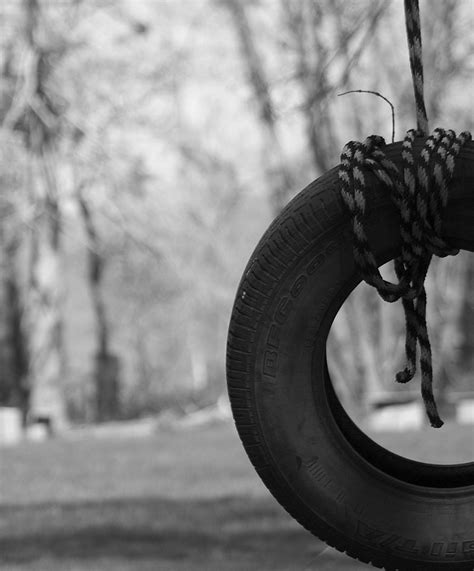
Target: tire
pixel 376 506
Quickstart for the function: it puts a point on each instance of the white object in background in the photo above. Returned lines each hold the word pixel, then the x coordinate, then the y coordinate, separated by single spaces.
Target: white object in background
pixel 11 430
pixel 465 411
pixel 397 417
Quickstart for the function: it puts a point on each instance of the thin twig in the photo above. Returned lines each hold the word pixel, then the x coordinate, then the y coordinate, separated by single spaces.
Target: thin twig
pixel 378 95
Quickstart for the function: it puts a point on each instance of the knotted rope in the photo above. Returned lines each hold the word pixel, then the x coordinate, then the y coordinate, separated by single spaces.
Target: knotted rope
pixel 420 194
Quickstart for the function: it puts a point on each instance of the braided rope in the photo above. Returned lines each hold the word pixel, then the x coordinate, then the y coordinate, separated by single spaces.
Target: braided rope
pixel 420 194
pixel 412 22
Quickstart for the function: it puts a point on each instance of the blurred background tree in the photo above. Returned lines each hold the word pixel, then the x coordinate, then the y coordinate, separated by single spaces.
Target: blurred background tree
pixel 146 147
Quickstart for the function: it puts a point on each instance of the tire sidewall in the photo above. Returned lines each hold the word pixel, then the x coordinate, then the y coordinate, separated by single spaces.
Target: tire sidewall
pixel 388 516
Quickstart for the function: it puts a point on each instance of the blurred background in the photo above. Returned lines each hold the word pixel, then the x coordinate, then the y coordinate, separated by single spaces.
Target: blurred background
pixel 145 147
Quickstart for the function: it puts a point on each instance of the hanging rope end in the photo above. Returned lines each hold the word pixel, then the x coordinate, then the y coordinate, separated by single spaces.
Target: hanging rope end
pixel 430 407
pixel 404 376
pixel 436 422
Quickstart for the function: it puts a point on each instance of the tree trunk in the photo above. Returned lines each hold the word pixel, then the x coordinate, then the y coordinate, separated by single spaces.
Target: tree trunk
pixel 276 167
pixel 45 300
pixel 305 21
pixel 12 355
pixel 46 369
pixel 107 364
pixel 107 375
pixel 37 118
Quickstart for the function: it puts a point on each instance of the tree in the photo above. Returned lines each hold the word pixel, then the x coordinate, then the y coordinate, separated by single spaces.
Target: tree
pixel 37 117
pixel 13 354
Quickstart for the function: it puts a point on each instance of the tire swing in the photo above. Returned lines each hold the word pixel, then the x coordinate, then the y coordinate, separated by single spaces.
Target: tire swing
pixel 383 202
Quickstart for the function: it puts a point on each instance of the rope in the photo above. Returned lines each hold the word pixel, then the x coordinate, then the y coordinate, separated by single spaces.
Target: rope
pixel 412 22
pixel 420 194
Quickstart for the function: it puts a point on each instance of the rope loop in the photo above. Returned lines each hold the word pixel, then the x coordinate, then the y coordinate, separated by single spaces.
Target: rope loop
pixel 420 192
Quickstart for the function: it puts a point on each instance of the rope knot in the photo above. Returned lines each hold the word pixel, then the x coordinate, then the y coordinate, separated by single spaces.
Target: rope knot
pixel 420 193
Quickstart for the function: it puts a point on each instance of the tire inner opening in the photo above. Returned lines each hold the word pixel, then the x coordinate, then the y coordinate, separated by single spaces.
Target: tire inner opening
pixel 384 421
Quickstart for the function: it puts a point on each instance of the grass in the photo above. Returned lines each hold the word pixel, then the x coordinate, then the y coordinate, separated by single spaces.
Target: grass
pixel 177 501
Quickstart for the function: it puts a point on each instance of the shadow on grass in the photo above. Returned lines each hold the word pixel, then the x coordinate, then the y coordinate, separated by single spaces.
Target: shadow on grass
pixel 239 528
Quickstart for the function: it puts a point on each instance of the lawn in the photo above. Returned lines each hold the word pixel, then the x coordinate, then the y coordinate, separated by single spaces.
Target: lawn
pixel 175 501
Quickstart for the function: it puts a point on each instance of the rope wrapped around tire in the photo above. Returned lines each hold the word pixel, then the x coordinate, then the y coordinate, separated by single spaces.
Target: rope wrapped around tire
pixel 378 507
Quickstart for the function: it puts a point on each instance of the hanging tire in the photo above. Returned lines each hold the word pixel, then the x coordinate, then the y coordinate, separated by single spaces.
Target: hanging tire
pixel 360 498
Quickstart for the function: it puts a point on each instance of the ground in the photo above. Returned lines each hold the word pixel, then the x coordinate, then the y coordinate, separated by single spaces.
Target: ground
pixel 174 501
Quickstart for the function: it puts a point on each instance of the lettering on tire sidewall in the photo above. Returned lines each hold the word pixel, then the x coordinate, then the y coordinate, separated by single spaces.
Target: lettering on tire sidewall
pixel 286 304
